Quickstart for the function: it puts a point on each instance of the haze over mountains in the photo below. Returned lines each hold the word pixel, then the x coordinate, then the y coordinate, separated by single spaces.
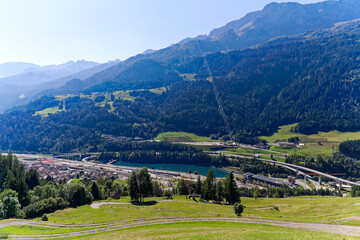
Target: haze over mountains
pixel 10 69
pixel 22 81
pixel 289 63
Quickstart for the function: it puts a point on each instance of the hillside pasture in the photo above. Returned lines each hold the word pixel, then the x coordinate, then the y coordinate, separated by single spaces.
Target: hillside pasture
pixel 322 143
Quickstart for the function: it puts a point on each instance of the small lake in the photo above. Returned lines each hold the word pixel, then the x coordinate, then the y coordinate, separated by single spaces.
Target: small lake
pixel 176 167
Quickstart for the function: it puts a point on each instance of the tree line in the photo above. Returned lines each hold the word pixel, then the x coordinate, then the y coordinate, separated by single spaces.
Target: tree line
pixel 338 163
pixel 350 148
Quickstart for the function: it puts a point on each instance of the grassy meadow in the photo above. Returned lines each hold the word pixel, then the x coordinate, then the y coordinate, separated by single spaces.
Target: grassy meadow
pixel 213 230
pixel 314 209
pixel 323 143
pixel 47 111
pixel 34 230
pixel 181 137
pixel 331 210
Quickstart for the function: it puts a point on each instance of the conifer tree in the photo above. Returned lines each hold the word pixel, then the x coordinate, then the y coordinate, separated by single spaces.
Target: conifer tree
pixel 208 190
pixel 231 191
pixel 133 187
pixel 95 191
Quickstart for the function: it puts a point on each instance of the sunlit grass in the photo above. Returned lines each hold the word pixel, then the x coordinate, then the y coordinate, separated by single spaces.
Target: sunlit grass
pixel 180 137
pixel 213 230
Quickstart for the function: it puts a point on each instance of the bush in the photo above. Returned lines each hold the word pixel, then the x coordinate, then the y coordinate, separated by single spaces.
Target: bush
pixel 168 194
pixel 276 208
pixel 238 208
pixel 44 218
pixel 48 205
pixel 76 194
pixel 21 214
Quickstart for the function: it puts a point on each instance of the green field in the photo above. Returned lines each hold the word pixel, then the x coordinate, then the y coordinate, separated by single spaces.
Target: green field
pixel 47 111
pixel 299 209
pixel 323 143
pixel 181 137
pixel 33 230
pixel 158 90
pixel 213 230
pixel 330 210
pixel 247 152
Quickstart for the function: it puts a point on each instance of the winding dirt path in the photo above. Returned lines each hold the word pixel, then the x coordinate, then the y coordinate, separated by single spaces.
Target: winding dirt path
pixel 105 227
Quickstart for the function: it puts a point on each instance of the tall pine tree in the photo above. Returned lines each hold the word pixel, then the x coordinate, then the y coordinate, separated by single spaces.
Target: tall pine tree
pixel 133 187
pixel 95 191
pixel 208 190
pixel 231 190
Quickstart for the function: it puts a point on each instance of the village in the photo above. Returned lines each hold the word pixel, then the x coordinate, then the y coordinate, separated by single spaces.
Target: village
pixel 60 169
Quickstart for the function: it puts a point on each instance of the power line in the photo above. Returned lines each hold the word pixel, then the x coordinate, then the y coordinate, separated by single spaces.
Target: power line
pixel 216 92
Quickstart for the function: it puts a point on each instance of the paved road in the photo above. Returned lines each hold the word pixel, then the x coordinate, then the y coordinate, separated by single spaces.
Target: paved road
pixel 317 227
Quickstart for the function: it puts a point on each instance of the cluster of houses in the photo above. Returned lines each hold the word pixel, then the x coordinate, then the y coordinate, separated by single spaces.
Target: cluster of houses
pixel 288 144
pixel 47 167
pixel 60 169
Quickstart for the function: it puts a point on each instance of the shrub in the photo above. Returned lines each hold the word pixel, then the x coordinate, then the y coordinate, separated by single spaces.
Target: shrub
pixel 48 205
pixel 44 217
pixel 238 208
pixel 168 194
pixel 4 236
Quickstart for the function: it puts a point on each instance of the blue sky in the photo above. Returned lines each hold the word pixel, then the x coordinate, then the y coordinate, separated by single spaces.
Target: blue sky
pixel 55 31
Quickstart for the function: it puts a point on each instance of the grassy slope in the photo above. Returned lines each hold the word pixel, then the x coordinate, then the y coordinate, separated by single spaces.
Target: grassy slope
pixel 180 137
pixel 329 140
pixel 34 230
pixel 302 209
pixel 47 111
pixel 212 230
pixel 332 210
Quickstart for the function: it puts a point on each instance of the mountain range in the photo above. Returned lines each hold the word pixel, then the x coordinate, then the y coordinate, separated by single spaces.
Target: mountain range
pixel 288 63
pixel 24 81
pixel 274 21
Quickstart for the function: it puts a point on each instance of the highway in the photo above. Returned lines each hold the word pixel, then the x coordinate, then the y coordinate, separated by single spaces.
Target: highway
pixel 296 168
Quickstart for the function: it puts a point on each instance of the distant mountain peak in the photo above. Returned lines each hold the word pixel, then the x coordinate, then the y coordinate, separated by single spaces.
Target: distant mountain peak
pixel 13 68
pixel 148 51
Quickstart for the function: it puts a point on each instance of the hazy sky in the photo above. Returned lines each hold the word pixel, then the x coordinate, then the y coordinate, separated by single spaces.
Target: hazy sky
pixel 55 31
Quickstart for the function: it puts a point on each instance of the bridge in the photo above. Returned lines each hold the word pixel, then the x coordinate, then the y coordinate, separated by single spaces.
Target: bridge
pixel 296 169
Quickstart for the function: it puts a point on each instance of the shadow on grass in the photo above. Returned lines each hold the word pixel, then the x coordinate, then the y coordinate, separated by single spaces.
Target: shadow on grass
pixel 149 203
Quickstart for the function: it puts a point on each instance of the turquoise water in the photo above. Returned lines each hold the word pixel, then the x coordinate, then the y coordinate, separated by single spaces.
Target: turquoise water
pixel 176 167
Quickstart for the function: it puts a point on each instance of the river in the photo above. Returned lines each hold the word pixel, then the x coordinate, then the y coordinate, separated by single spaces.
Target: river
pixel 176 167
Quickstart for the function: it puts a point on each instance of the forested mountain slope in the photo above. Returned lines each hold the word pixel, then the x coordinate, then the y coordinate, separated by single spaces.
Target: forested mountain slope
pixel 314 82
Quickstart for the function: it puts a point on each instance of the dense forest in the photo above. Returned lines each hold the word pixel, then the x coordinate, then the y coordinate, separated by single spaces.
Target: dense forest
pixel 350 148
